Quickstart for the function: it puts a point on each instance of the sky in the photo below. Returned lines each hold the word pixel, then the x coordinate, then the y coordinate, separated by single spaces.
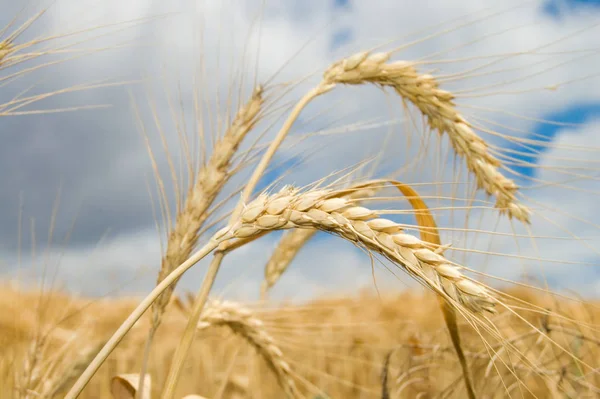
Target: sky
pixel 92 165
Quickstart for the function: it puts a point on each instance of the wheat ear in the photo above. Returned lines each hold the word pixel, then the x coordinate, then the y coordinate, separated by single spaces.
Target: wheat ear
pixel 242 322
pixel 209 181
pixel 294 240
pixel 438 107
pixel 323 211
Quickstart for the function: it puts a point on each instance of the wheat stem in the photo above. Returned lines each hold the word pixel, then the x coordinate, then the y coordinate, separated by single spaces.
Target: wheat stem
pixel 268 155
pixel 188 335
pixel 112 343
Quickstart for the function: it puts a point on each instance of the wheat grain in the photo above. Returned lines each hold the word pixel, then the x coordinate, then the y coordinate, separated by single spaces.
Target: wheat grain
pixel 292 242
pixel 323 211
pixel 438 106
pixel 242 322
pixel 6 48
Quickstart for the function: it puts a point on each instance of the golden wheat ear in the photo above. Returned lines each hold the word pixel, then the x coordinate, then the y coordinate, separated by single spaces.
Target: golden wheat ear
pixel 194 208
pixel 293 241
pixel 208 183
pixel 322 210
pixel 437 106
pixel 245 324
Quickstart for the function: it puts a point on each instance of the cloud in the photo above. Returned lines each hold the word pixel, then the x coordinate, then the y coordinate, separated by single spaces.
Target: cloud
pixel 100 162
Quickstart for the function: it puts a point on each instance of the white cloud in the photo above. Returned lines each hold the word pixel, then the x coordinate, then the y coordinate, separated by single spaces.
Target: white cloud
pixel 329 265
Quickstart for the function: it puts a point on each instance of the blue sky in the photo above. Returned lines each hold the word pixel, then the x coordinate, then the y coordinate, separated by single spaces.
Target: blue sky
pixel 576 114
pixel 546 132
pixel 558 7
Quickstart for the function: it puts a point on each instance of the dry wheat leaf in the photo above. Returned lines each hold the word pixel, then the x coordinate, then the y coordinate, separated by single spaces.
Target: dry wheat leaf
pixel 124 386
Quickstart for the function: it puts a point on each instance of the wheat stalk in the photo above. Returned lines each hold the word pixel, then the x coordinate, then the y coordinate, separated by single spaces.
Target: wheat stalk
pixel 438 106
pixel 317 210
pixel 325 210
pixel 242 322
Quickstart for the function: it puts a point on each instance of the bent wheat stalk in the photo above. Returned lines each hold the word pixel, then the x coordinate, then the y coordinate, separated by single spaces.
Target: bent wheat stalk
pixel 317 210
pixel 323 210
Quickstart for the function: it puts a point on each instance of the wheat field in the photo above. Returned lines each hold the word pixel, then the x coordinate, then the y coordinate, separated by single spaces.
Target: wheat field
pixel 335 347
pixel 308 203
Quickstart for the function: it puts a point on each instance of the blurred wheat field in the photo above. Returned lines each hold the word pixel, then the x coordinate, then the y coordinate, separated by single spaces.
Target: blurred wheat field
pixel 336 347
pixel 439 186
